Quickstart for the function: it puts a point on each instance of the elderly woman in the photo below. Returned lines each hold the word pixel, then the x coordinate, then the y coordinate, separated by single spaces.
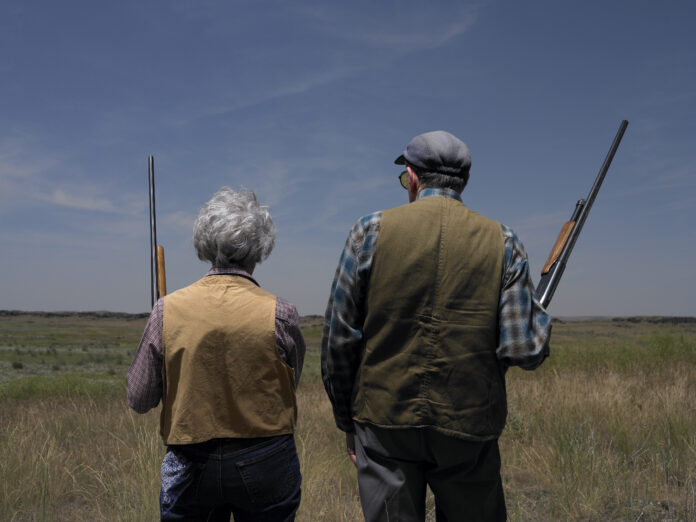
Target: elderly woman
pixel 224 357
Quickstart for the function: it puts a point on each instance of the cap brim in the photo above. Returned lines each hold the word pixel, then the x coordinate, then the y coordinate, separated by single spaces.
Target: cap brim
pixel 400 160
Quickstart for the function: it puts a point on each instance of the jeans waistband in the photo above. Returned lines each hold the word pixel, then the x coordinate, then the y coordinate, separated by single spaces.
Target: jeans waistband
pixel 226 447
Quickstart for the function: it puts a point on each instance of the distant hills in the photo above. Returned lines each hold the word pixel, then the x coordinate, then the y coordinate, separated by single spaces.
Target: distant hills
pixel 317 320
pixel 92 315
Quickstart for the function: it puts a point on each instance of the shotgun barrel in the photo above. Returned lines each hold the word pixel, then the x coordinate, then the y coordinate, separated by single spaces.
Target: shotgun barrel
pixel 153 232
pixel 158 280
pixel 560 253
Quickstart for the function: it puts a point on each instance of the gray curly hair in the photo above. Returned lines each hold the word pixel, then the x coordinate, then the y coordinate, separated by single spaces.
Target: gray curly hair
pixel 233 230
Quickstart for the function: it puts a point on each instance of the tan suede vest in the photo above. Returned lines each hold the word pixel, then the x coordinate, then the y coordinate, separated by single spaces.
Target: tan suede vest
pixel 222 372
pixel 431 324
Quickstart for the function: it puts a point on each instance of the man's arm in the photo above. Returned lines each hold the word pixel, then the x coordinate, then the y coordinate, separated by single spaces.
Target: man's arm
pixel 144 378
pixel 342 339
pixel 525 327
pixel 289 339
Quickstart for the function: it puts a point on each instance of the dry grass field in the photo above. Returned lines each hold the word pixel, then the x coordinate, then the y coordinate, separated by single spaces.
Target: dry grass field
pixel 604 430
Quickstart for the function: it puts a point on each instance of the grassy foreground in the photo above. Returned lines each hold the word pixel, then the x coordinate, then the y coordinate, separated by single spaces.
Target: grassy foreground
pixel 604 430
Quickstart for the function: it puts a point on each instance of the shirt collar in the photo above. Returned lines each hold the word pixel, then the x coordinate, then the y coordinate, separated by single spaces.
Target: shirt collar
pixel 445 192
pixel 232 271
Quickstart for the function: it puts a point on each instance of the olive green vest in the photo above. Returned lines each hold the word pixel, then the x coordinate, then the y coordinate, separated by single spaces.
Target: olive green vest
pixel 222 373
pixel 431 325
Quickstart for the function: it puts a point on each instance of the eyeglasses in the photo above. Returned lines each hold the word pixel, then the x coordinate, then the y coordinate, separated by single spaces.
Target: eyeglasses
pixel 403 179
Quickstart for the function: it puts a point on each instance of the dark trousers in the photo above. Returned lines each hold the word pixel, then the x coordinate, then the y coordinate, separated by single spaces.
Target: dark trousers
pixel 394 466
pixel 254 480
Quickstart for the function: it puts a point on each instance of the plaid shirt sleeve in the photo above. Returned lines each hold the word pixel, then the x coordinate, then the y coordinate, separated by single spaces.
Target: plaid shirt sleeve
pixel 342 338
pixel 144 378
pixel 525 327
pixel 289 339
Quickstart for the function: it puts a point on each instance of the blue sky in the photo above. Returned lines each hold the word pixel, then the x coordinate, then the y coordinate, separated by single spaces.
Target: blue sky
pixel 308 104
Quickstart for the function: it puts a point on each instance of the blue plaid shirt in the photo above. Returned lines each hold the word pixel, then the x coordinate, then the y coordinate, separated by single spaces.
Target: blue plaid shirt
pixel 524 326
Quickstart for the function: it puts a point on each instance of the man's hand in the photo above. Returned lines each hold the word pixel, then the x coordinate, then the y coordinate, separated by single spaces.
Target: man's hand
pixel 350 446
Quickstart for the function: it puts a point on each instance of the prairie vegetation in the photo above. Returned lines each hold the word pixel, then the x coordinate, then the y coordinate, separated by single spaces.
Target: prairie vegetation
pixel 604 430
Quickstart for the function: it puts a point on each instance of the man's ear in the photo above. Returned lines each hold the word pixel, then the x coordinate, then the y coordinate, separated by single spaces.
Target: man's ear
pixel 412 178
pixel 413 184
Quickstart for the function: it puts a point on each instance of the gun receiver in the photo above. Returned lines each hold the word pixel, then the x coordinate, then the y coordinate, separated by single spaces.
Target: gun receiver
pixel 158 285
pixel 556 262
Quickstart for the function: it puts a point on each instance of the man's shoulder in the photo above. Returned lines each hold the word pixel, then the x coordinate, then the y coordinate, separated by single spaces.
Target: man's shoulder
pixel 514 249
pixel 286 311
pixel 369 221
pixel 511 237
pixel 508 233
pixel 364 226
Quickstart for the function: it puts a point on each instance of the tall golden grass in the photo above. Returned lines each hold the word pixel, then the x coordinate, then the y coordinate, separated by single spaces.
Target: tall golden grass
pixel 602 445
pixel 81 459
pixel 601 431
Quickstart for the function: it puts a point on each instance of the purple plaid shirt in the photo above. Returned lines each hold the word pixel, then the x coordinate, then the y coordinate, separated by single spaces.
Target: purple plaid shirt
pixel 144 379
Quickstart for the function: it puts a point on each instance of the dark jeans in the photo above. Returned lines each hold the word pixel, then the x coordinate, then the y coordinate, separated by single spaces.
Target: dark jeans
pixel 254 480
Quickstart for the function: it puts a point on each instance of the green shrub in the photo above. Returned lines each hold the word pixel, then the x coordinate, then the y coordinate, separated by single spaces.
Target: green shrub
pixel 64 385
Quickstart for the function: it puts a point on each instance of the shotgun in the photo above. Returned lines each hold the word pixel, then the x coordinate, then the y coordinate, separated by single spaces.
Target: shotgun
pixel 556 262
pixel 158 281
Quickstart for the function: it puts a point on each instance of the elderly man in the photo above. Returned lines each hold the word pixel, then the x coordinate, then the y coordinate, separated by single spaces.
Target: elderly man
pixel 430 304
pixel 224 356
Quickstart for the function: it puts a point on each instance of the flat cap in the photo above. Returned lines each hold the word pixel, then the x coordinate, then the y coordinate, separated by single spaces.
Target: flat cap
pixel 437 151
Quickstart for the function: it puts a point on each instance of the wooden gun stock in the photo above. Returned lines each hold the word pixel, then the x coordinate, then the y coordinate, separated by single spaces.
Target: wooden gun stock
pixel 161 275
pixel 558 246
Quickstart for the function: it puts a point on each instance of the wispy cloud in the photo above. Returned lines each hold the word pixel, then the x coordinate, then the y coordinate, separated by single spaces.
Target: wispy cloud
pixel 80 201
pixel 289 87
pixel 666 176
pixel 23 167
pixel 18 160
pixel 344 196
pixel 92 199
pixel 275 183
pixel 180 221
pixel 404 28
pixel 28 172
pixel 542 221
pixel 356 38
pixel 403 25
pixel 673 207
